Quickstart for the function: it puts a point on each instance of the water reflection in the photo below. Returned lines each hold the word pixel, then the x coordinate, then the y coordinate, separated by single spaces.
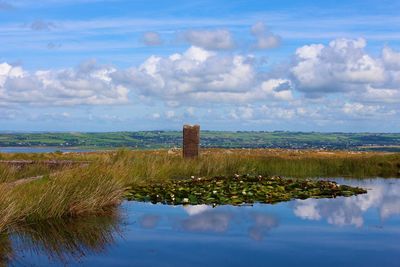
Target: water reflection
pixel 204 218
pixel 62 240
pixel 208 221
pixel 149 221
pixel 383 195
pixel 263 223
pixel 303 232
pixel 6 250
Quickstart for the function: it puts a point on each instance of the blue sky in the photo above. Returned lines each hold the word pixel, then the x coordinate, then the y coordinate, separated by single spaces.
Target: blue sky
pixel 98 65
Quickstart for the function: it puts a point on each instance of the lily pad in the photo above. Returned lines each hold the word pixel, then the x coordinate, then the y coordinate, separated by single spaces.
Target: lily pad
pixel 238 190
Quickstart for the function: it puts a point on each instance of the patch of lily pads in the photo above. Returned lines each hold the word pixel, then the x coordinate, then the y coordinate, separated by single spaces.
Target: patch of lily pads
pixel 238 190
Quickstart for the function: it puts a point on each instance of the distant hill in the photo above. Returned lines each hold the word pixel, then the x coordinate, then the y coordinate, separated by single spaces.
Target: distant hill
pixel 240 139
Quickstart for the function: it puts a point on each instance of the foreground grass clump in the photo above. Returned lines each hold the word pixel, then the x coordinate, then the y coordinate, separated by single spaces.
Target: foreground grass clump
pixel 63 194
pixel 239 190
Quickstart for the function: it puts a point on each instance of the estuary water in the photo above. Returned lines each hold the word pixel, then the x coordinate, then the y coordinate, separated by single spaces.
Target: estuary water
pixel 46 149
pixel 363 230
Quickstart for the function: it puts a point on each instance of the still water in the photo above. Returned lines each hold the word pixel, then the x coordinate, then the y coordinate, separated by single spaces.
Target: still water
pixel 46 149
pixel 356 231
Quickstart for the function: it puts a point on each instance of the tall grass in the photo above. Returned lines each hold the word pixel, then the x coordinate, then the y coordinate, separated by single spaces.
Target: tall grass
pixel 10 173
pixel 70 193
pixel 142 167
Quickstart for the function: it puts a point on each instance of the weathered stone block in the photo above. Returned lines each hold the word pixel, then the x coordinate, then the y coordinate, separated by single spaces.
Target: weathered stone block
pixel 191 141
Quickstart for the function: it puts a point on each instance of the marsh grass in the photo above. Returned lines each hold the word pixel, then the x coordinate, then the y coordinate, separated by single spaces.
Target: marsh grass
pixel 70 193
pixel 10 173
pixel 148 166
pixel 103 183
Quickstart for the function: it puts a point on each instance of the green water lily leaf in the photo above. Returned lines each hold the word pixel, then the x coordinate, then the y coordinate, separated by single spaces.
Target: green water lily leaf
pixel 236 191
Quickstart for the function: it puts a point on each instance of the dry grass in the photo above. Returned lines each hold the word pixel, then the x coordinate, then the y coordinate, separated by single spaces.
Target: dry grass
pixel 70 193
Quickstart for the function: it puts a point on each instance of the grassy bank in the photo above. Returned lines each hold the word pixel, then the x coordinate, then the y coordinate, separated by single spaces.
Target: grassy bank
pixel 102 183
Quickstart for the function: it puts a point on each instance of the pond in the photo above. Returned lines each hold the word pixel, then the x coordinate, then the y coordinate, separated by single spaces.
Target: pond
pixel 362 230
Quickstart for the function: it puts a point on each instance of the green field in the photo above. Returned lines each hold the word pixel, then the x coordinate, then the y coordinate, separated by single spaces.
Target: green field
pixel 169 139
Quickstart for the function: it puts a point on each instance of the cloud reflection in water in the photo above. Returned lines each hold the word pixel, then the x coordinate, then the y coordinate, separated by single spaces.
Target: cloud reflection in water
pixel 383 195
pixel 208 221
pixel 203 218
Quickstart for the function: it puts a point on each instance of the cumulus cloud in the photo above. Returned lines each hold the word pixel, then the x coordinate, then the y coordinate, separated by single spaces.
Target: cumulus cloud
pixel 356 109
pixel 242 113
pixel 345 67
pixel 200 76
pixel 152 39
pixel 365 86
pixel 265 38
pixel 391 58
pixel 210 39
pixel 341 66
pixel 381 95
pixel 89 84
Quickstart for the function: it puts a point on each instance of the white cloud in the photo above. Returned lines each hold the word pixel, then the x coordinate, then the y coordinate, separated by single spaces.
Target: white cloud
pixel 190 111
pixel 360 109
pixel 271 112
pixel 342 66
pixel 199 76
pixel 265 38
pixel 89 84
pixel 152 39
pixel 242 113
pixel 381 95
pixel 278 88
pixel 391 58
pixel 170 114
pixel 365 86
pixel 210 39
pixel 156 115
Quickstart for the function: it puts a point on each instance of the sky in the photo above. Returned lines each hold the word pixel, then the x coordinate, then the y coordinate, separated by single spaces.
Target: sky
pixel 129 65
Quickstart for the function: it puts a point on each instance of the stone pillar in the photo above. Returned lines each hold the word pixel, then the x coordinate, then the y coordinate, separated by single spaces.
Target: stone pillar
pixel 191 141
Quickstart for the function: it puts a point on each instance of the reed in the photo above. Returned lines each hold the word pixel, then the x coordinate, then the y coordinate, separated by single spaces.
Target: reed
pixel 70 193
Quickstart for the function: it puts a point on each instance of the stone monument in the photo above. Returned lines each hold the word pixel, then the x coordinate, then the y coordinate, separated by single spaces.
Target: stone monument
pixel 191 141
